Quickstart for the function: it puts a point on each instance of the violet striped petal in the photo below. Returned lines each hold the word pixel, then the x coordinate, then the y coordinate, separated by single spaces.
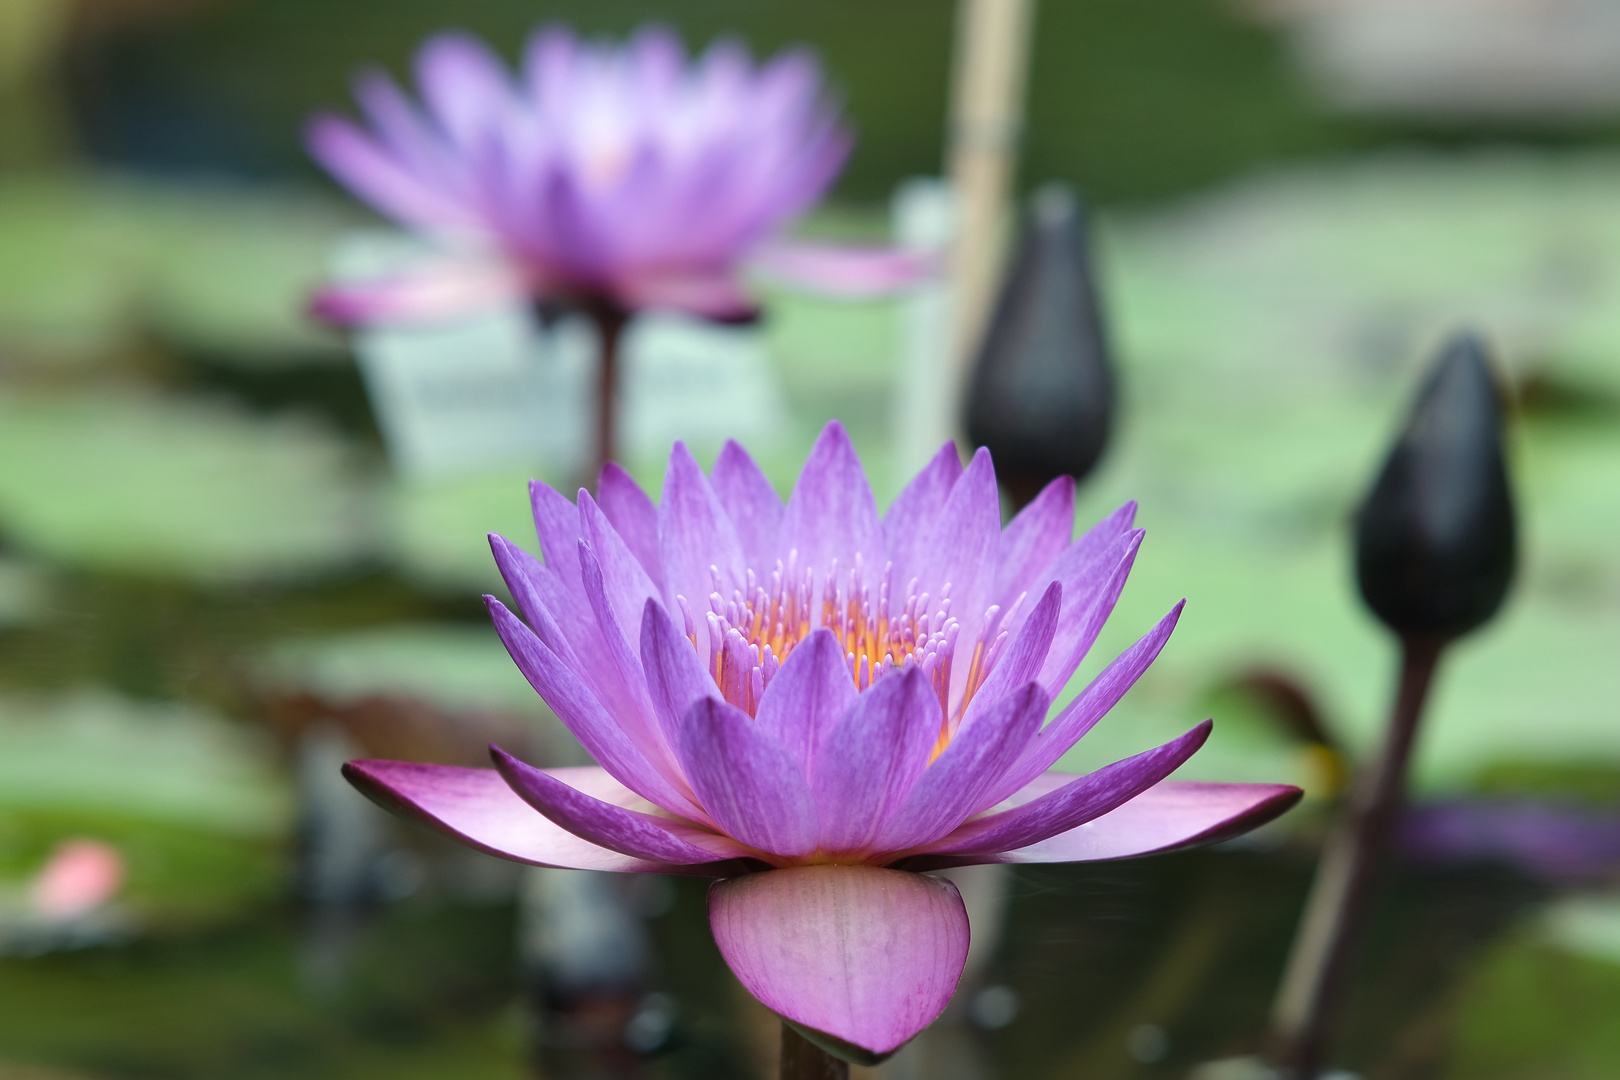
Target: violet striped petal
pixel 556 523
pixel 617 828
pixel 909 522
pixel 1170 815
pixel 872 758
pixel 633 515
pixel 961 553
pixel 564 623
pixel 675 678
pixel 1092 590
pixel 580 711
pixel 1084 552
pixel 695 535
pixel 1034 537
pixel 751 502
pixel 1024 654
pixel 1082 714
pixel 1079 801
pixel 811 690
pixel 831 515
pixel 747 781
pixel 858 958
pixel 959 779
pixel 476 807
pixel 631 706
pixel 370 171
pixel 627 585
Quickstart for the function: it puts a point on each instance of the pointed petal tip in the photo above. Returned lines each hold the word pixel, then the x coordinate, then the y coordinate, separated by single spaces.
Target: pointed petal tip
pixel 866 956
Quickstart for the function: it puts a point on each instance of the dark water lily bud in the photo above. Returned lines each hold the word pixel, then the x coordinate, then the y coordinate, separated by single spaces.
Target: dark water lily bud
pixel 1436 538
pixel 1042 395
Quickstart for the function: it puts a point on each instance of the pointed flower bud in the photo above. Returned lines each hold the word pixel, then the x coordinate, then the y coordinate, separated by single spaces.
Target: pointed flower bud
pixel 1436 538
pixel 1042 395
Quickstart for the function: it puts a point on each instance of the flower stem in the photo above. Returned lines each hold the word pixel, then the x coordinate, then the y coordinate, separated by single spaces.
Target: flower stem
pixel 1347 878
pixel 610 323
pixel 804 1060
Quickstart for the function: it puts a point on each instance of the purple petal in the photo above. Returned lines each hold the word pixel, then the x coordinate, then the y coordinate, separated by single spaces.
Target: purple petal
pixel 910 520
pixel 844 269
pixel 1024 655
pixel 872 758
pixel 356 159
pixel 465 86
pixel 675 678
pixel 867 956
pixel 831 516
pixel 1033 538
pixel 751 502
pixel 563 622
pixel 580 711
pixel 958 781
pixel 627 695
pixel 811 691
pixel 1079 801
pixel 1171 814
pixel 633 515
pixel 556 523
pixel 1091 589
pixel 1103 693
pixel 476 807
pixel 631 832
pixel 432 292
pixel 750 784
pixel 1085 551
pixel 961 552
pixel 627 585
pixel 695 537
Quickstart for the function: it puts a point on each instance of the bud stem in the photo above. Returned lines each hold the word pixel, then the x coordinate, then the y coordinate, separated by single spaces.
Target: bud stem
pixel 1307 1005
pixel 804 1060
pixel 610 324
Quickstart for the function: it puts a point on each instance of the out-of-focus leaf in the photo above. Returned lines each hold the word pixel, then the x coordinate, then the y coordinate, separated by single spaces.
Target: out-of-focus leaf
pixel 89 261
pixel 140 484
pixel 191 802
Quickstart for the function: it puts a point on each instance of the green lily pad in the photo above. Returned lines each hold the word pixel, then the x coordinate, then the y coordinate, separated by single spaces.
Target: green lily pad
pixel 146 485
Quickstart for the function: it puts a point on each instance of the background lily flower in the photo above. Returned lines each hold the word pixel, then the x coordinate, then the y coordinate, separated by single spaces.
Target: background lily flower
pixel 815 704
pixel 610 178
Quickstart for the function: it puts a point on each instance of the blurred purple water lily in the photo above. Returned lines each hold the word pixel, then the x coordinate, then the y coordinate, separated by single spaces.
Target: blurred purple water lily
pixel 816 704
pixel 600 177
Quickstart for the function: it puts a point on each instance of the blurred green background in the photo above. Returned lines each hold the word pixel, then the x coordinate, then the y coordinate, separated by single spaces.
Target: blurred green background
pixel 204 557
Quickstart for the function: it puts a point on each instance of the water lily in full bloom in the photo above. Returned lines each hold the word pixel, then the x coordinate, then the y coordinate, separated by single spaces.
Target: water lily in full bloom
pixel 609 178
pixel 817 704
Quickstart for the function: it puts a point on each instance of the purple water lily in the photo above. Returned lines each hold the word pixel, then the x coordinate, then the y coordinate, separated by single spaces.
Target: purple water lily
pixel 816 704
pixel 602 177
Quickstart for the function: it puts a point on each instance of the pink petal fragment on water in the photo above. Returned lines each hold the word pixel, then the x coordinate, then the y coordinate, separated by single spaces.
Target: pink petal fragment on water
pixel 79 877
pixel 865 955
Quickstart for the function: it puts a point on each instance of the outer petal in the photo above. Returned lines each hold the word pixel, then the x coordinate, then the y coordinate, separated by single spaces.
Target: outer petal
pixel 751 502
pixel 1104 692
pixel 1084 798
pixel 842 269
pixel 961 553
pixel 872 758
pixel 747 781
pixel 1171 814
pixel 476 807
pixel 627 586
pixel 866 956
pixel 578 708
pixel 633 515
pixel 831 514
pixel 433 292
pixel 616 828
pixel 811 691
pixel 909 523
